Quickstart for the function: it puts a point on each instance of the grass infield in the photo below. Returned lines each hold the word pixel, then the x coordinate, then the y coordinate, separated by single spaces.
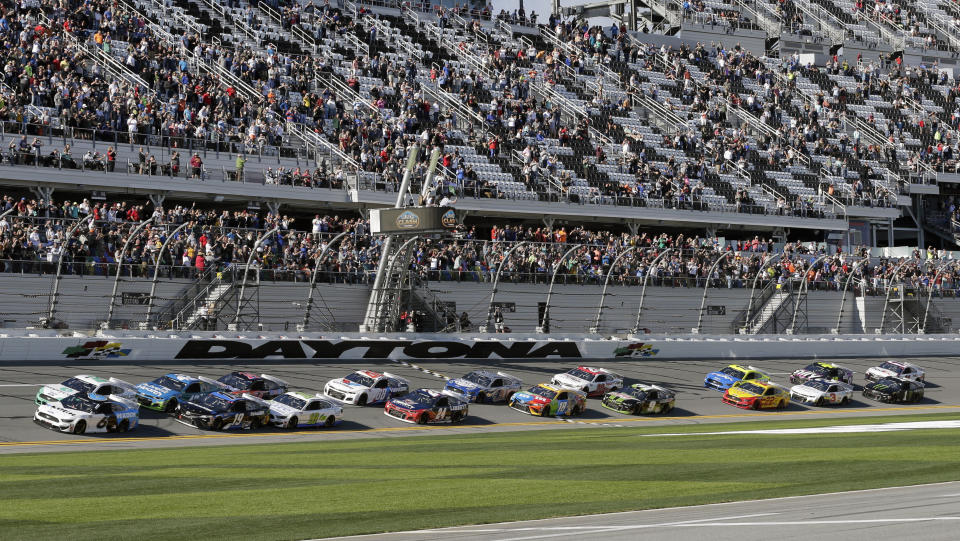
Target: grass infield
pixel 322 489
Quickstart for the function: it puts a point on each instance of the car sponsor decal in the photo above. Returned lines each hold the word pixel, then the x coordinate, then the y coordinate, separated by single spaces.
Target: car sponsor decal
pixel 636 349
pixel 96 349
pixel 376 349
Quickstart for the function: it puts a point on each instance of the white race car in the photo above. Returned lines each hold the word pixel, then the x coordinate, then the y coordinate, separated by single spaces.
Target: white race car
pixel 115 389
pixel 820 392
pixel 80 413
pixel 366 387
pixel 896 369
pixel 300 410
pixel 593 381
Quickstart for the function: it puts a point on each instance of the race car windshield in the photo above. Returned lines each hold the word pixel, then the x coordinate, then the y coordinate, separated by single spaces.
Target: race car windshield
pixel 478 378
pixel 752 388
pixel 892 367
pixel 235 381
pixel 542 391
pixel 290 400
pixel 170 383
pixel 887 384
pixel 819 385
pixel 419 396
pixel 80 404
pixel 818 369
pixel 214 403
pixel 636 393
pixel 581 374
pixel 731 371
pixel 79 385
pixel 357 377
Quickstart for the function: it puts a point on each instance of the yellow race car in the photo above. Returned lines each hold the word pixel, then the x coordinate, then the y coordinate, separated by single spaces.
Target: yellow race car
pixel 757 395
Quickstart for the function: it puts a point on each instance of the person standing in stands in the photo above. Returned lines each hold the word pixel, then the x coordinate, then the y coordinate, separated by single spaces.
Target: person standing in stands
pixel 196 166
pixel 239 166
pixel 111 159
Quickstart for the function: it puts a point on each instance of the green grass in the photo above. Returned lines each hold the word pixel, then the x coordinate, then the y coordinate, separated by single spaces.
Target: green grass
pixel 317 489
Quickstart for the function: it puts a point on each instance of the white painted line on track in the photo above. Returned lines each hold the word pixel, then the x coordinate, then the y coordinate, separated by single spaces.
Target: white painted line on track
pixel 24 384
pixel 839 429
pixel 610 529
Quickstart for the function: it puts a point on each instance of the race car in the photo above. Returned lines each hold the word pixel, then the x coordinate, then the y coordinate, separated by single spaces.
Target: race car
pixel 894 390
pixel 82 413
pixel 427 406
pixel 821 370
pixel 896 369
pixel 548 400
pixel 114 388
pixel 482 386
pixel 366 387
pixel 821 392
pixel 640 398
pixel 165 392
pixel 222 411
pixel 756 395
pixel 263 386
pixel 300 410
pixel 724 379
pixel 592 381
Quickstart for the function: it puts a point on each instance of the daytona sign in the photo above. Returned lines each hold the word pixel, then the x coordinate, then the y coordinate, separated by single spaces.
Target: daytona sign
pixel 377 349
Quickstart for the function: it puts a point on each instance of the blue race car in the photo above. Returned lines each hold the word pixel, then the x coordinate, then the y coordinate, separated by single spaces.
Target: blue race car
pixel 724 379
pixel 221 411
pixel 165 392
pixel 481 386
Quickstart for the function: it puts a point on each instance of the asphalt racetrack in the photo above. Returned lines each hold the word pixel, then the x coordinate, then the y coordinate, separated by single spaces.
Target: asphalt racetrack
pixel 928 512
pixel 695 405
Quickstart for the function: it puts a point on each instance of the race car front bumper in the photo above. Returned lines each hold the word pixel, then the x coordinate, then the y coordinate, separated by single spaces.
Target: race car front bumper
pixel 51 422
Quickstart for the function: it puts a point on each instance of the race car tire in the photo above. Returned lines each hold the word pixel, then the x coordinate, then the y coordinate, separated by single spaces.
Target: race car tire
pixel 456 417
pixel 293 422
pixel 481 398
pixel 362 401
pixel 331 420
pixel 254 423
pixel 80 427
pixel 586 390
pixel 819 402
pixel 756 405
pixel 217 424
pixel 124 426
pixel 844 401
pixel 667 408
pixel 637 409
pixel 171 406
pixel 782 405
pixel 423 419
pixel 576 411
pixel 510 397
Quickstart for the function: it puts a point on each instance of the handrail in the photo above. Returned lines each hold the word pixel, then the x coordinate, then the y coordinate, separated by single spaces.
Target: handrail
pixel 239 24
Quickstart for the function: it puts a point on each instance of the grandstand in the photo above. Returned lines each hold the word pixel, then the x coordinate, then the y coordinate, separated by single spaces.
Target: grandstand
pixel 209 165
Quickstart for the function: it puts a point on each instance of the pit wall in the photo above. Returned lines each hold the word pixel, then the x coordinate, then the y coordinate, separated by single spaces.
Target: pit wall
pixel 137 346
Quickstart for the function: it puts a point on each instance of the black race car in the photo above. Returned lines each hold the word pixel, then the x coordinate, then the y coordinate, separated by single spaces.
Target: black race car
pixel 894 390
pixel 223 411
pixel 428 406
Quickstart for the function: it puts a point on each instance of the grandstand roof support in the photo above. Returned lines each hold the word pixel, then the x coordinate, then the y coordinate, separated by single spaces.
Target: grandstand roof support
pixel 274 207
pixel 63 253
pixel 496 282
pixel 157 199
pixel 846 285
pixel 544 326
pixel 606 282
pixel 45 195
pixel 313 276
pixel 246 270
pixel 926 310
pixel 156 267
pixel 643 291
pixel 123 253
pixel 706 286
pixel 753 288
pixel 803 290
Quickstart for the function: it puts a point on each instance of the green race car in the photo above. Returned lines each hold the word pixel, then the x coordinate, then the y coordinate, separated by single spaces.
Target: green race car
pixel 640 398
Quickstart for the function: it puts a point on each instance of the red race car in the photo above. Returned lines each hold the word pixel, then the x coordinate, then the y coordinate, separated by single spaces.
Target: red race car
pixel 427 406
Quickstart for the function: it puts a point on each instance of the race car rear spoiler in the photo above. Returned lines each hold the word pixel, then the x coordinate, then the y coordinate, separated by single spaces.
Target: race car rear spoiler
pixel 396 377
pixel 215 383
pixel 511 376
pixel 278 381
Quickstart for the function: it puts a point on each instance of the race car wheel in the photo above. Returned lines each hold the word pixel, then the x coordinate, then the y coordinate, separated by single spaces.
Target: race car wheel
pixel 422 420
pixel 481 398
pixel 123 426
pixel 362 401
pixel 331 420
pixel 80 427
pixel 586 390
pixel 293 422
pixel 756 404
pixel 819 402
pixel 545 411
pixel 577 411
pixel 637 409
pixel 254 423
pixel 456 417
pixel 781 405
pixel 509 397
pixel 667 408
pixel 845 401
pixel 217 424
pixel 171 406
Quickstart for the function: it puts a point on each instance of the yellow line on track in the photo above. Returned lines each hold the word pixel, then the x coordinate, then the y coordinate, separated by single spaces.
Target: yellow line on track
pixel 608 420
